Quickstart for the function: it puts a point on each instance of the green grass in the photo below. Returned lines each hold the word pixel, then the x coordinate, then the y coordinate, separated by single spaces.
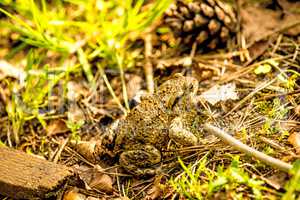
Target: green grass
pixel 293 186
pixel 199 182
pixel 31 94
pixel 96 35
pixel 85 30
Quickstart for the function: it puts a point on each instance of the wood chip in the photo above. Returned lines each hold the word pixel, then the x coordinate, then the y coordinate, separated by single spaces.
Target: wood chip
pixel 23 176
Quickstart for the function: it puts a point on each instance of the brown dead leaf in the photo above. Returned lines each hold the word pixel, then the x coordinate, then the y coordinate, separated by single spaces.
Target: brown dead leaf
pixel 259 48
pixel 277 180
pixel 133 85
pixel 88 149
pixel 75 114
pixel 153 193
pixel 294 139
pixel 156 190
pixel 259 22
pixel 8 70
pixel 290 7
pixel 73 194
pixel 94 178
pixel 121 198
pixel 297 110
pixel 102 182
pixel 76 90
pixel 56 127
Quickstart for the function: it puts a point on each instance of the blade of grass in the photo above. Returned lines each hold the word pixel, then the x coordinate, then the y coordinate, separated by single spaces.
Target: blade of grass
pixel 86 66
pixel 124 89
pixel 111 90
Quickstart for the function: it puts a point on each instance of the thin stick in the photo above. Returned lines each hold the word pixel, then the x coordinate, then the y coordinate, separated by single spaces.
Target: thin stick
pixel 61 148
pixel 122 76
pixel 246 149
pixel 148 68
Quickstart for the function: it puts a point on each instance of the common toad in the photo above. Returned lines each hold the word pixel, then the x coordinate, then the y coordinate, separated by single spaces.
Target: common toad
pixel 167 115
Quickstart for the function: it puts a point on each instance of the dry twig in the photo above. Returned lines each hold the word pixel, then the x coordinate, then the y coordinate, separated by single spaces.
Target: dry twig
pixel 246 149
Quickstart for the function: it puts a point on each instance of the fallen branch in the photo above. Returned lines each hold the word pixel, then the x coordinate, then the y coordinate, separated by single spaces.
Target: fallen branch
pixel 246 149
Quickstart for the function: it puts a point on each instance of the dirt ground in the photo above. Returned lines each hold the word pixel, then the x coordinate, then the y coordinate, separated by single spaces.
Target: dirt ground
pixel 248 87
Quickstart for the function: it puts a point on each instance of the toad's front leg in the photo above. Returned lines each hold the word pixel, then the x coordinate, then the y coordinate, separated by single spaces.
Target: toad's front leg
pixel 140 160
pixel 181 135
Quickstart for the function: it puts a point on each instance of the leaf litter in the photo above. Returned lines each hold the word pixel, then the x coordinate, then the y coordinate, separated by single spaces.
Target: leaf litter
pixel 268 112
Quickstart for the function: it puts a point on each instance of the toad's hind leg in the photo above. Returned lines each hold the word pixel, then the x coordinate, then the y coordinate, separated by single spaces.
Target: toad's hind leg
pixel 140 160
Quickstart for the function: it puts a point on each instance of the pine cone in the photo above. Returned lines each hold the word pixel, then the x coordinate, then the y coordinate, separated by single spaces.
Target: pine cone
pixel 209 23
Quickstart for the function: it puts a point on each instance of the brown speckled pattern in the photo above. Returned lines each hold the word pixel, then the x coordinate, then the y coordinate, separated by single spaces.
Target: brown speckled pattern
pixel 145 132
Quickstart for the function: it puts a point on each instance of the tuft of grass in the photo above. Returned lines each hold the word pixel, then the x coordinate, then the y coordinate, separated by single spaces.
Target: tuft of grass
pixel 273 111
pixel 88 30
pixel 199 182
pixel 74 128
pixel 30 97
pixel 293 185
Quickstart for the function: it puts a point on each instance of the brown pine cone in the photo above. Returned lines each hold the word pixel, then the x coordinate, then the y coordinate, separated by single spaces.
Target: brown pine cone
pixel 209 23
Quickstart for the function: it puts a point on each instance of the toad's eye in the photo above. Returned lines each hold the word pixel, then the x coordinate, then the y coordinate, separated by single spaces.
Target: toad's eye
pixel 188 87
pixel 176 100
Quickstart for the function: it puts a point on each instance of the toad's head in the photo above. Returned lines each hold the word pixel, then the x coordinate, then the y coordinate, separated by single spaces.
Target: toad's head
pixel 177 88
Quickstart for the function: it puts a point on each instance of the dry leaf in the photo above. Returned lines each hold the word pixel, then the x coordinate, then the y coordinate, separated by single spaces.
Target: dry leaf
pixel 297 110
pixel 121 198
pixel 75 114
pixel 7 69
pixel 259 22
pixel 294 139
pixel 220 93
pixel 101 182
pixel 56 127
pixel 94 198
pixel 76 90
pixel 291 8
pixel 88 149
pixel 156 190
pixel 277 180
pixel 73 194
pixel 94 178
pixel 153 193
pixel 133 85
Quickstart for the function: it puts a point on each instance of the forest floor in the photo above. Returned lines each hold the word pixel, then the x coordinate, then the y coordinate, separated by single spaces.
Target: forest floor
pixel 70 69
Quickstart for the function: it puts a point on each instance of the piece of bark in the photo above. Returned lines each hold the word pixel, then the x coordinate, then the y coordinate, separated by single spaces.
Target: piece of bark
pixel 23 176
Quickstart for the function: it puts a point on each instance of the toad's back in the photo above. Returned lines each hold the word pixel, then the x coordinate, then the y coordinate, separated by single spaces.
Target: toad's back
pixel 147 123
